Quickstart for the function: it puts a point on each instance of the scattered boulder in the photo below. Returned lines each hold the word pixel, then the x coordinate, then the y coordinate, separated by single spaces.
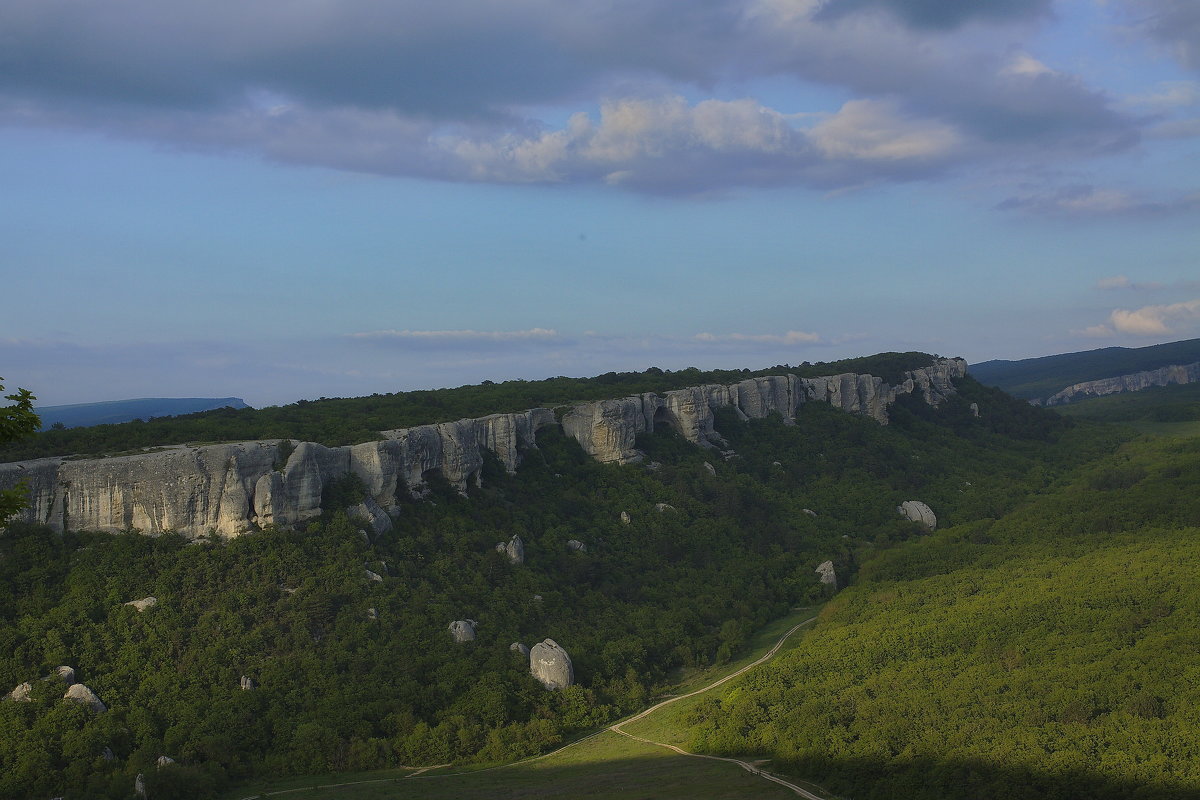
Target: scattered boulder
pixel 625 517
pixel 517 647
pixel 514 550
pixel 371 512
pixel 974 409
pixel 537 598
pixel 662 507
pixel 247 683
pixel 164 761
pixel 373 576
pixel 107 754
pixel 809 511
pixel 576 545
pixel 463 630
pixel 143 604
pixel 23 693
pixel 372 614
pixel 139 785
pixel 65 674
pixel 828 576
pixel 917 511
pixel 711 469
pixel 654 466
pixel 550 664
pixel 79 693
pixel 776 463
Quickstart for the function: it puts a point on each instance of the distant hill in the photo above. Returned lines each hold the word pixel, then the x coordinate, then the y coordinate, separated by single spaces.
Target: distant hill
pixel 82 415
pixel 1041 377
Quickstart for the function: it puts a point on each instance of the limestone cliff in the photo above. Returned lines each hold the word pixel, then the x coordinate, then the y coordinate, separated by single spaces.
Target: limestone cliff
pixel 229 489
pixel 1163 376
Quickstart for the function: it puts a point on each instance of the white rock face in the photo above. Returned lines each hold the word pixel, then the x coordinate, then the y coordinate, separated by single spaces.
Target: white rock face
pixel 625 520
pixel 143 604
pixel 81 694
pixel 463 630
pixel 247 683
pixel 1163 376
pixel 517 647
pixel 917 511
pixel 514 550
pixel 827 573
pixel 576 545
pixel 231 489
pixel 550 664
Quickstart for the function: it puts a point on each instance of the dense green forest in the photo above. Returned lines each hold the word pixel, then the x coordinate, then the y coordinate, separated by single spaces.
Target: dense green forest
pixel 354 673
pixel 1041 377
pixel 1048 653
pixel 340 421
pixel 1176 403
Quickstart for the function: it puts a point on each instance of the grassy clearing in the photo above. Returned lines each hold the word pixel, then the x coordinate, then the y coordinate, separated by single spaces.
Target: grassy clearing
pixel 606 765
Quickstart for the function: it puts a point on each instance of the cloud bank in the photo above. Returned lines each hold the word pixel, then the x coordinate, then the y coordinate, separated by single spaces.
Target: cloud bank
pixel 470 92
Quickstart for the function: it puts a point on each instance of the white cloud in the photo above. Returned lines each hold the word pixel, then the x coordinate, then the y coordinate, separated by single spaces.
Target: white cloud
pixel 1155 320
pixel 459 335
pixel 791 337
pixel 1095 332
pixel 875 130
pixel 1123 282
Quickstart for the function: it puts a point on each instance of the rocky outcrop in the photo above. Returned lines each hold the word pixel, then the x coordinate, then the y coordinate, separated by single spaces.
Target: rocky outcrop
pixel 247 683
pixel 576 545
pixel 828 574
pixel 143 604
pixel 517 647
pixel 917 511
pixel 230 489
pixel 373 577
pixel 22 693
pixel 514 550
pixel 463 630
pixel 625 518
pixel 550 664
pixel 1163 376
pixel 79 693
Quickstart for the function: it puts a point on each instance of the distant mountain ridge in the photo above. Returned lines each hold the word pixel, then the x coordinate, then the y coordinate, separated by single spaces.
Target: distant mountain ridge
pixel 82 415
pixel 1041 378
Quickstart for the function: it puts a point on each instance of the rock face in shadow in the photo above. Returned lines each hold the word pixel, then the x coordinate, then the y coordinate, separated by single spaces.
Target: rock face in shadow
pixel 550 664
pixel 230 489
pixel 514 550
pixel 1163 376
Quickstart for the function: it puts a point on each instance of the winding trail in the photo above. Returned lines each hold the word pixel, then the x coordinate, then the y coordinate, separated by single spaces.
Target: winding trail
pixel 746 765
pixel 617 728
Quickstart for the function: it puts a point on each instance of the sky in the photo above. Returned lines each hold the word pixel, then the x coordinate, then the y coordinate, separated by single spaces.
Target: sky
pixel 321 198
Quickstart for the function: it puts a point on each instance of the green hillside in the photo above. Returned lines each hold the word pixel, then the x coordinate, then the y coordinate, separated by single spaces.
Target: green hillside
pixel 1048 653
pixel 1041 377
pixel 340 688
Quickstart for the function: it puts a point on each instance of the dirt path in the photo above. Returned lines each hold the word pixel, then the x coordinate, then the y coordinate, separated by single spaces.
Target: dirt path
pixel 746 765
pixel 615 728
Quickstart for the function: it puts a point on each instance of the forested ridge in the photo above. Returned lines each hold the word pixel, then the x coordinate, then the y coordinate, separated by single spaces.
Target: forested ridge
pixel 353 673
pixel 1047 653
pixel 340 421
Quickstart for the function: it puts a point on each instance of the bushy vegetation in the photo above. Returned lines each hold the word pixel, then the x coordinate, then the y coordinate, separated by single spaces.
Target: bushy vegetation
pixel 340 687
pixel 340 421
pixel 1048 653
pixel 1156 404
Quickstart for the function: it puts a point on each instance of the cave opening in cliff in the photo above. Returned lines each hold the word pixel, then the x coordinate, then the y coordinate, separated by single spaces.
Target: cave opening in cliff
pixel 663 417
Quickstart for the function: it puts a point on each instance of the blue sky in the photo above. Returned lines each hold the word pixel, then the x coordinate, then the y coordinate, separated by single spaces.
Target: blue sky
pixel 339 197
